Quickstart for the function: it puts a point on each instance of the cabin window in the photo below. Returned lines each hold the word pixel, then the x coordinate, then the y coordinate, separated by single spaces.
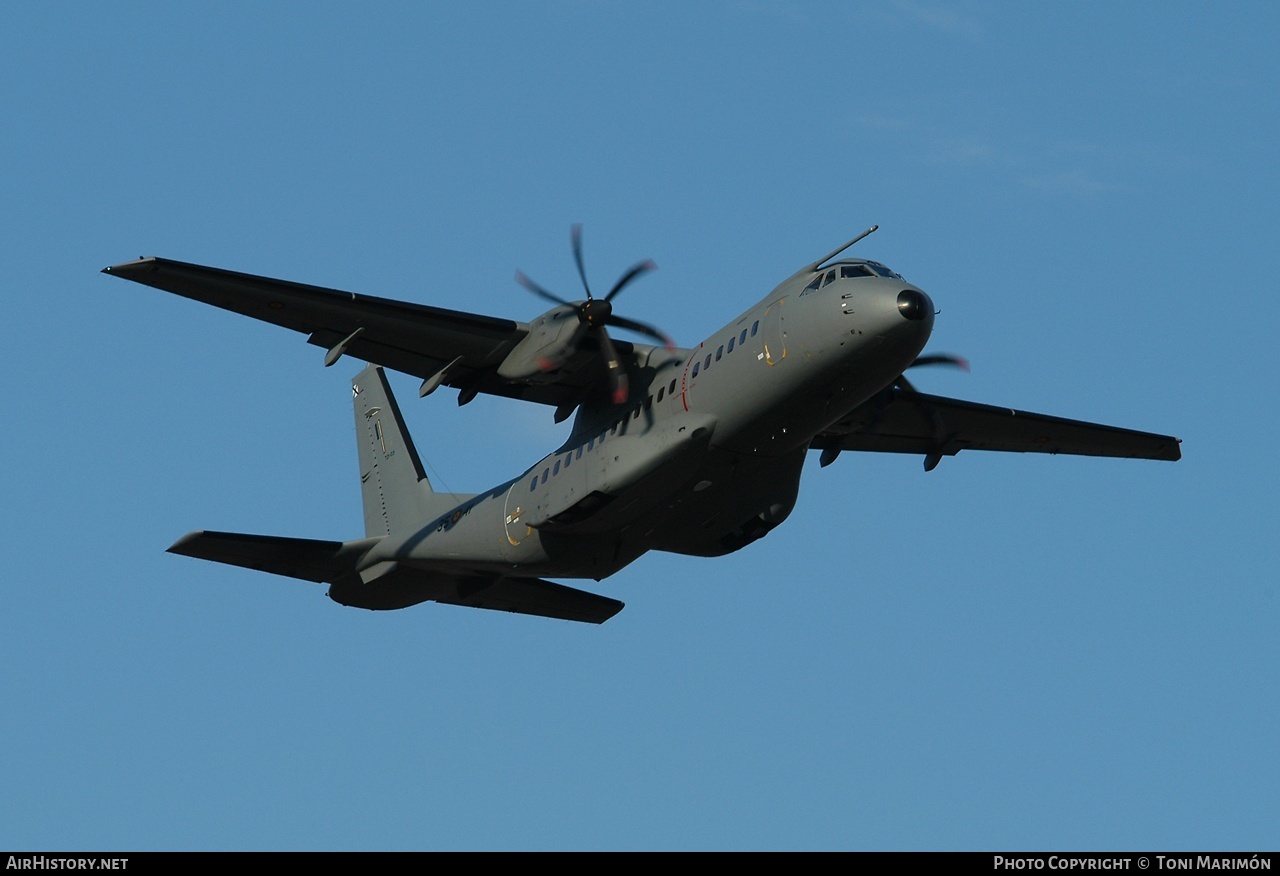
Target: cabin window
pixel 661 392
pixel 672 389
pixel 755 326
pixel 719 352
pixel 568 458
pixel 546 472
pixel 707 364
pixel 578 455
pixel 696 366
pixel 556 470
pixel 533 484
pixel 648 403
pixel 730 347
pixel 743 339
pixel 591 444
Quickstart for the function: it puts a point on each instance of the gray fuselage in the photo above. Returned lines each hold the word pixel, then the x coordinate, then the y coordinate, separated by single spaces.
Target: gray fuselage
pixel 705 456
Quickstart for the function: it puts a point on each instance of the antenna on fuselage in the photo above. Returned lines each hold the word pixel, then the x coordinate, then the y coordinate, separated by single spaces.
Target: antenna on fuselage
pixel 835 252
pixel 813 266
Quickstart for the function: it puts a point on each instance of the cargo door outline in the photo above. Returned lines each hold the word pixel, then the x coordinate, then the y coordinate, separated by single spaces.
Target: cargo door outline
pixel 775 336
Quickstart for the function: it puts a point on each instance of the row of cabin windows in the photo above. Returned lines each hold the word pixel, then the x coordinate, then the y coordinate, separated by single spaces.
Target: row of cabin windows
pixel 554 469
pixel 725 348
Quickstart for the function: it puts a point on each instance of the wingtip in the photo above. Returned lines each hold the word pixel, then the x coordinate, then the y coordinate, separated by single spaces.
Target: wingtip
pixel 132 269
pixel 180 546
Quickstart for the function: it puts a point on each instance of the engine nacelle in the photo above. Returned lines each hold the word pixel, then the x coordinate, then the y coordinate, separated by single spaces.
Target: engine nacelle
pixel 552 339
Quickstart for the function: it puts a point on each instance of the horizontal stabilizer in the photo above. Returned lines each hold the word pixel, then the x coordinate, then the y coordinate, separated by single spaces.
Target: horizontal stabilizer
pixel 335 561
pixel 400 586
pixel 543 598
pixel 305 558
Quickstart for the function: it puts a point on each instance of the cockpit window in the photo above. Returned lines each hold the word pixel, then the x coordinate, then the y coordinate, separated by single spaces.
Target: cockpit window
pixel 850 271
pixel 883 271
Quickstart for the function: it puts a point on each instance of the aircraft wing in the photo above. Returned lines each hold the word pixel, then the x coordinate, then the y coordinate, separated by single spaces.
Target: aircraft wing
pixel 902 421
pixel 412 338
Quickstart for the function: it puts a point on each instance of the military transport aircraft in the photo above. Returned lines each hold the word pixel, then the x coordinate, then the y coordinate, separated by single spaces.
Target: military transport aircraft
pixel 690 450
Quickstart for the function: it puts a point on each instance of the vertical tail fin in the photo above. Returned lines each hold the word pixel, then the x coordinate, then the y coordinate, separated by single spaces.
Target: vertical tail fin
pixel 397 495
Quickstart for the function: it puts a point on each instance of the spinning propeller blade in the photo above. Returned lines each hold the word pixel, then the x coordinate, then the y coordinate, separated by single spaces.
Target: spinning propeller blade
pixel 596 313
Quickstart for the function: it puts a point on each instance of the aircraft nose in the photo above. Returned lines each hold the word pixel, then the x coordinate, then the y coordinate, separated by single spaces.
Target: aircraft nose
pixel 914 304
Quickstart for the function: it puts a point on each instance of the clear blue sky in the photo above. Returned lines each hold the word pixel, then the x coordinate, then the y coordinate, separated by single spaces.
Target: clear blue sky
pixel 1011 652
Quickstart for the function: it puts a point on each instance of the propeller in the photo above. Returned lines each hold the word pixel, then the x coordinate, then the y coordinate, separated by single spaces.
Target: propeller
pixel 595 314
pixel 935 359
pixel 933 457
pixel 882 400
